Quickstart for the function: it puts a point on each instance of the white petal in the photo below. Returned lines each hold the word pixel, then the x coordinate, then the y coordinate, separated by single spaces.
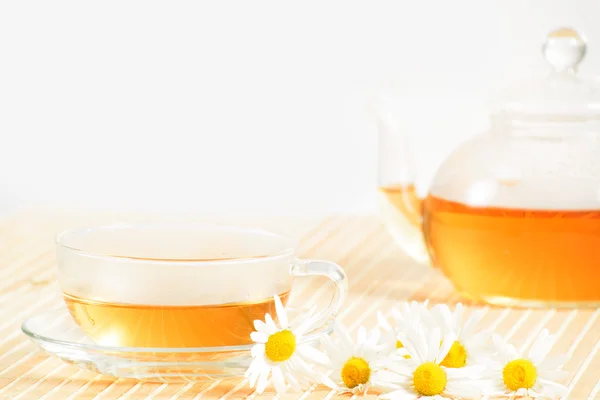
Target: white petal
pixel 425 317
pixel 336 355
pixel 312 354
pixel 400 394
pixel 260 326
pixel 421 346
pixel 499 382
pixel 327 344
pixel 522 392
pixel 293 381
pixel 386 339
pixel 272 328
pixel 386 386
pixel 552 388
pixel 278 380
pixel 463 389
pixel 253 371
pixel 493 365
pixel 502 349
pixel 468 372
pixel 390 379
pixel 512 352
pixel 487 386
pixel 259 337
pixel 338 359
pixel 416 337
pixel 555 375
pixel 373 338
pixel 506 351
pixel 370 353
pixel 553 362
pixel 434 344
pixel 449 339
pixel 498 342
pixel 399 319
pixel 493 387
pixel 298 364
pixel 345 349
pixel 457 318
pixel 281 313
pixel 383 322
pixel 257 349
pixel 541 347
pixel 362 335
pixel 262 381
pixel 325 380
pixel 385 375
pixel 444 313
pixel 342 333
pixel 402 367
pixel 408 345
pixel 252 377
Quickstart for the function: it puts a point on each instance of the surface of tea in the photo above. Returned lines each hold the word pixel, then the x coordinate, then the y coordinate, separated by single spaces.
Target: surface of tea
pixel 547 255
pixel 117 324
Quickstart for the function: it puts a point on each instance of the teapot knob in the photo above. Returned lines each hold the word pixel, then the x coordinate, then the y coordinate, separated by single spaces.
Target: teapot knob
pixel 564 49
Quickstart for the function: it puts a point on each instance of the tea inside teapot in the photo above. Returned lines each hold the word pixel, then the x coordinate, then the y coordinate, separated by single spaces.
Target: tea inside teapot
pixel 513 215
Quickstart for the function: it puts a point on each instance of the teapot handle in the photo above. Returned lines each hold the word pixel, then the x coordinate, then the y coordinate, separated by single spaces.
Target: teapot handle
pixel 398 203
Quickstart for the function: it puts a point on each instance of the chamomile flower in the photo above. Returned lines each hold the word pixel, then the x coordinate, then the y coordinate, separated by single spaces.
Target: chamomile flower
pixel 470 346
pixel 534 374
pixel 353 364
pixel 407 315
pixel 279 352
pixel 422 376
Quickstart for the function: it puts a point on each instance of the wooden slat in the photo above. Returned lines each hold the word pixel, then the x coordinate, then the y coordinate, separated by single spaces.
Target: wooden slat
pixel 380 275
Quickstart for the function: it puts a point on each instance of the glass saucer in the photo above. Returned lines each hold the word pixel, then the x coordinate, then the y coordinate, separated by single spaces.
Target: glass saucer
pixel 56 333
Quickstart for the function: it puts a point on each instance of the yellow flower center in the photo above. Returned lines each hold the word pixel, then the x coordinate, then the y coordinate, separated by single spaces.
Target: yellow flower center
pixel 280 346
pixel 429 379
pixel 355 372
pixel 519 374
pixel 457 356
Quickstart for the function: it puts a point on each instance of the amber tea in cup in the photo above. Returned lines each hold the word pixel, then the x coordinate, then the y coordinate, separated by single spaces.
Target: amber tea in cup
pixel 180 285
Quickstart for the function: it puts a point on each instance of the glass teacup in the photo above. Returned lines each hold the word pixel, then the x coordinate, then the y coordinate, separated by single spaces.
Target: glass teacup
pixel 160 285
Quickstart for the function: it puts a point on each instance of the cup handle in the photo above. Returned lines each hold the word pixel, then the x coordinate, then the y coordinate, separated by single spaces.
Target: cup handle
pixel 332 271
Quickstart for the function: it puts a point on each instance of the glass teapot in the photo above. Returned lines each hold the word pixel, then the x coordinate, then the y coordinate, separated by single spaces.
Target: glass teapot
pixel 512 216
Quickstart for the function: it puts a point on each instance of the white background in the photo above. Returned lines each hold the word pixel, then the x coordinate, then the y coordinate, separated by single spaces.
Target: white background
pixel 248 107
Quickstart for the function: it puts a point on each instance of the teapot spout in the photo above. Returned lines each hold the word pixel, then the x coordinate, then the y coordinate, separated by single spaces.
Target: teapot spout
pixel 399 206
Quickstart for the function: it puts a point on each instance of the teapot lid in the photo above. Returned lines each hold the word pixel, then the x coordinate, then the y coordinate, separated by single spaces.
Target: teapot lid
pixel 561 96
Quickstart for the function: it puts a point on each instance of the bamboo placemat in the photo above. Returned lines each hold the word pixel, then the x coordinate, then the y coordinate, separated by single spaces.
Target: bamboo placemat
pixel 379 276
